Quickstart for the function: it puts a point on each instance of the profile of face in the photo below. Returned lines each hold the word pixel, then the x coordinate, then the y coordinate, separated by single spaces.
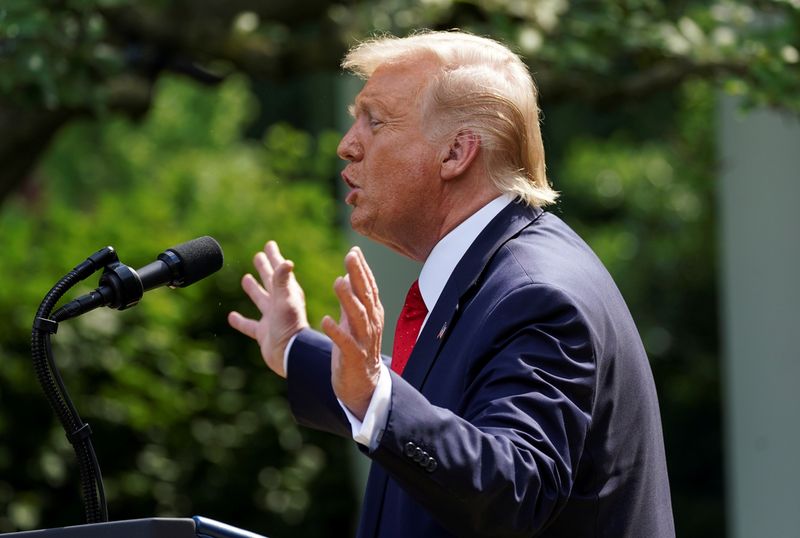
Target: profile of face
pixel 392 168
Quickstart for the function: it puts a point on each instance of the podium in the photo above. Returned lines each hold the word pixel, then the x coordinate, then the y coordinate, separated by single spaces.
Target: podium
pixel 155 527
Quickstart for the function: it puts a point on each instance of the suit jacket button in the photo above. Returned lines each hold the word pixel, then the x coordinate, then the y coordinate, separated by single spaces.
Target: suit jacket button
pixel 411 449
pixel 431 465
pixel 421 456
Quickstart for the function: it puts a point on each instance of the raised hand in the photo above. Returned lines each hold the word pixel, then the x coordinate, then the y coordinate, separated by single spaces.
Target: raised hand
pixel 355 364
pixel 282 304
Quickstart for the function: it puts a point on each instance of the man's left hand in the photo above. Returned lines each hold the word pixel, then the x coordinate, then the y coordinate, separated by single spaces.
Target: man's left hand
pixel 356 357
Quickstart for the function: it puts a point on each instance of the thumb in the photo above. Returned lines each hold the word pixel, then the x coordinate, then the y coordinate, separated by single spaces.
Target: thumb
pixel 282 274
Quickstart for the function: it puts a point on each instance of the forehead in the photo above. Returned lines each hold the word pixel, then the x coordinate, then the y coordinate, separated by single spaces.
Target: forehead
pixel 396 86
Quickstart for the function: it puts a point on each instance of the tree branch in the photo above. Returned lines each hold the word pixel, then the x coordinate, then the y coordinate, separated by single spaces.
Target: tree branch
pixel 662 76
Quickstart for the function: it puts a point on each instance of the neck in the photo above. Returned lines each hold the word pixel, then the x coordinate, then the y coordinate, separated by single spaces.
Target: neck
pixel 452 211
pixel 441 212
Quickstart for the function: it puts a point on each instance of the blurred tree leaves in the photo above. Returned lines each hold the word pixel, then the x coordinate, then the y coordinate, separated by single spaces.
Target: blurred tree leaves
pixel 186 417
pixel 61 60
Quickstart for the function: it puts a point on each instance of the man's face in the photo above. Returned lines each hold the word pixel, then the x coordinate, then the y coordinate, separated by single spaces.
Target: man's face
pixel 392 168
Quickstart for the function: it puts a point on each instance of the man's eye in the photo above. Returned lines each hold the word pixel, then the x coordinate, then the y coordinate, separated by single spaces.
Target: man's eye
pixel 375 122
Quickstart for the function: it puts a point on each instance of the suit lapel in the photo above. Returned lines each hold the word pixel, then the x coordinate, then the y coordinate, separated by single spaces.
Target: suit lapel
pixel 462 283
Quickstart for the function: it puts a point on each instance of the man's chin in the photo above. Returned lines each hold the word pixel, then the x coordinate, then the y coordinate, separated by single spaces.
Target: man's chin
pixel 359 222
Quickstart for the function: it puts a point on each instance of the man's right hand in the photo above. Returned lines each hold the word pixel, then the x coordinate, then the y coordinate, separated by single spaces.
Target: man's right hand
pixel 282 304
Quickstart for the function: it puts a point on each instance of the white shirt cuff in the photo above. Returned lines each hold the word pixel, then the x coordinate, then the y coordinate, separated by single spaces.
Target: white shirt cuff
pixel 286 353
pixel 369 431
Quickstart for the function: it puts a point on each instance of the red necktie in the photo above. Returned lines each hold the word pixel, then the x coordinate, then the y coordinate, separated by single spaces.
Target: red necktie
pixel 408 326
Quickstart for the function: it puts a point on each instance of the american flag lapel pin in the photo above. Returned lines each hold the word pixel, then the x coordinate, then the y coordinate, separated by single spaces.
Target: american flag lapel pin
pixel 442 331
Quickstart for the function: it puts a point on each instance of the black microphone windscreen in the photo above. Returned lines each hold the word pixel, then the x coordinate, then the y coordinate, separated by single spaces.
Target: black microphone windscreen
pixel 199 258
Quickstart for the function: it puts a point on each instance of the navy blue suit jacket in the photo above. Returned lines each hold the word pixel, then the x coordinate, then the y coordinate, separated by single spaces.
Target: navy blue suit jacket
pixel 527 407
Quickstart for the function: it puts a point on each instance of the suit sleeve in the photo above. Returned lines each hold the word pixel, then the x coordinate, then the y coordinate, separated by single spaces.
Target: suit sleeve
pixel 308 377
pixel 503 461
pixel 311 396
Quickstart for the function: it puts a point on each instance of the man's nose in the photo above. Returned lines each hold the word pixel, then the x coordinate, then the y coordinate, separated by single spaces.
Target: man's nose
pixel 350 148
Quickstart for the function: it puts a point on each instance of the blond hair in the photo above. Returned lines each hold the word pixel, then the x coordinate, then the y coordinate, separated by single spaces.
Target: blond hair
pixel 482 87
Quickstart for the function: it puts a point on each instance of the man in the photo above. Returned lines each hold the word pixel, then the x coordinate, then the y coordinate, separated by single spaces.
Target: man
pixel 527 405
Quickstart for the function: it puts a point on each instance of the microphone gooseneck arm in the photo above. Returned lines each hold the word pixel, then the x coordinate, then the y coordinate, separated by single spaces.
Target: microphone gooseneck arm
pixel 78 432
pixel 120 287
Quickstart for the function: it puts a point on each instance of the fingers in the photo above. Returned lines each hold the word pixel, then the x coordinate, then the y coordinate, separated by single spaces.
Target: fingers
pixel 273 254
pixel 265 269
pixel 244 325
pixel 272 267
pixel 283 274
pixel 361 278
pixel 357 278
pixel 341 337
pixel 256 292
pixel 352 307
pixel 358 297
pixel 368 273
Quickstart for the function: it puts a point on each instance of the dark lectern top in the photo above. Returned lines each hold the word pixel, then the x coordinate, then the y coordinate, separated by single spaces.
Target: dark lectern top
pixel 156 527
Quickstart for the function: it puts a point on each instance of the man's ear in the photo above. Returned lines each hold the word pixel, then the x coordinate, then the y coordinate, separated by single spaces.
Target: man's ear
pixel 461 152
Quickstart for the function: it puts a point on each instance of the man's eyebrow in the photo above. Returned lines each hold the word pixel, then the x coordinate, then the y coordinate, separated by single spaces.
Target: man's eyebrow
pixel 357 107
pixel 366 105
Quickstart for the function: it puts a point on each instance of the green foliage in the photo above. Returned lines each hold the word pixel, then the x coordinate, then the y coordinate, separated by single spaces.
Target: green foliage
pixel 187 418
pixel 55 53
pixel 65 54
pixel 593 47
pixel 646 205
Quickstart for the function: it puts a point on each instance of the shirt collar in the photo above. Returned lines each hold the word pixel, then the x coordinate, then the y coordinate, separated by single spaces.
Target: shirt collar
pixel 451 248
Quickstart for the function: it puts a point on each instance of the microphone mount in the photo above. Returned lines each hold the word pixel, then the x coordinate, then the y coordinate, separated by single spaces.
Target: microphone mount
pixel 120 287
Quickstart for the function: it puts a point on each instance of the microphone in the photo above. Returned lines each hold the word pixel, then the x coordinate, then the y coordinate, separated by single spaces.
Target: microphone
pixel 121 287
